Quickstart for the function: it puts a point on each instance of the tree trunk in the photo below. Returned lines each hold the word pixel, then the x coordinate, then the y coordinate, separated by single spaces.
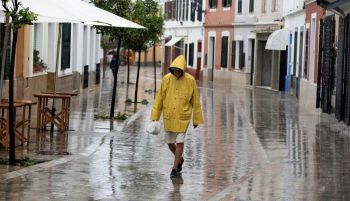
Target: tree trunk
pixel 128 77
pixel 138 74
pixel 12 155
pixel 115 81
pixel 155 70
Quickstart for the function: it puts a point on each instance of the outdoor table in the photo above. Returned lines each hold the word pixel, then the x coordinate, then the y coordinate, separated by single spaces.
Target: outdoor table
pixel 64 93
pixel 45 114
pixel 19 125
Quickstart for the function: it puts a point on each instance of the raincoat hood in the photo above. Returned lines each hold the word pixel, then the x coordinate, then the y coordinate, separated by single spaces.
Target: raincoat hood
pixel 179 62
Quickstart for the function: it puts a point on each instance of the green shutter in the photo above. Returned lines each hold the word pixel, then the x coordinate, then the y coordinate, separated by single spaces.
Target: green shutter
pixel 66 42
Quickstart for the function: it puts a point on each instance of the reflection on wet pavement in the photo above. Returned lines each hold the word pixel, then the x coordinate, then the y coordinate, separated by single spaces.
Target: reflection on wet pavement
pixel 254 145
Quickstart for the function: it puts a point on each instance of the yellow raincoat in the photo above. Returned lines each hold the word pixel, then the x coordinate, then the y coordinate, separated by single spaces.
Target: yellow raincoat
pixel 177 98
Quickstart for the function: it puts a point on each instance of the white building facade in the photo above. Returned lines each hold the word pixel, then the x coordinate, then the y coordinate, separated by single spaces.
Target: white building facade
pixel 79 61
pixel 183 33
pixel 294 15
pixel 269 72
pixel 244 42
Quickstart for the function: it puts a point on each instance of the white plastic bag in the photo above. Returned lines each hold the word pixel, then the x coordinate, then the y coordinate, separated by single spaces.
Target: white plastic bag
pixel 153 128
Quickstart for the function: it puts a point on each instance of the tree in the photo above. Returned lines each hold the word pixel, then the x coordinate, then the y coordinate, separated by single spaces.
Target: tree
pixel 122 8
pixel 19 17
pixel 146 14
pixel 156 40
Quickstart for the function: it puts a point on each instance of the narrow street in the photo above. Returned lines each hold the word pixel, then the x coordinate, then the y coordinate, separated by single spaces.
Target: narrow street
pixel 254 145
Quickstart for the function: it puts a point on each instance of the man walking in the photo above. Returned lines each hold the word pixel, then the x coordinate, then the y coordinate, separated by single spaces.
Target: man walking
pixel 177 98
pixel 114 64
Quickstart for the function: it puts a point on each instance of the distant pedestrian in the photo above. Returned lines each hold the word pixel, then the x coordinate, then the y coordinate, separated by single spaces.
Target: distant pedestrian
pixel 177 99
pixel 113 65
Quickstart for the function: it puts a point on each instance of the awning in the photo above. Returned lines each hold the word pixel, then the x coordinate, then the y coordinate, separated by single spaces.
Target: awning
pixel 46 11
pixel 173 41
pixel 90 14
pixel 74 11
pixel 340 7
pixel 278 40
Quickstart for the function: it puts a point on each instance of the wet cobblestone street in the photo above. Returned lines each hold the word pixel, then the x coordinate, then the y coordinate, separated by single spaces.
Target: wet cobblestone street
pixel 254 145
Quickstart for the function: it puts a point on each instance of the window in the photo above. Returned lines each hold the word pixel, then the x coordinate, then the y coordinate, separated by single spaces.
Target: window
pixel 191 53
pixel 274 6
pixel 239 6
pixel 212 3
pixel 251 6
pixel 233 54
pixel 263 6
pixel 241 55
pixel 226 3
pixel 38 64
pixel 65 49
pixel 224 51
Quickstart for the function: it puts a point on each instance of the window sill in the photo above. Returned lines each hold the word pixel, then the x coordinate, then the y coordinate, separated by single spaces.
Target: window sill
pixel 66 72
pixel 39 74
pixel 226 8
pixel 212 10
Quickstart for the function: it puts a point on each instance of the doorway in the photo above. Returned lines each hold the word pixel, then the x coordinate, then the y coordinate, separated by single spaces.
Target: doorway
pixel 266 63
pixel 283 69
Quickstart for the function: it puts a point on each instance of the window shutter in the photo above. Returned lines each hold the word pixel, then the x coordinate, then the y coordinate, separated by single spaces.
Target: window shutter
pixel 176 9
pixel 233 54
pixel 224 51
pixel 241 55
pixel 187 7
pixel 199 11
pixel 191 52
pixel 251 6
pixel 306 59
pixel 239 6
pixel 193 10
pixel 173 16
pixel 65 50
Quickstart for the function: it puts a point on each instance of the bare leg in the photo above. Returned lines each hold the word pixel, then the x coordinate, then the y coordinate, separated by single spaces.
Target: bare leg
pixel 172 147
pixel 178 154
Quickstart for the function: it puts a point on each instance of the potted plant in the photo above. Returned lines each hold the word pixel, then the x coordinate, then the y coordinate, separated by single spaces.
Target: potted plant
pixel 38 64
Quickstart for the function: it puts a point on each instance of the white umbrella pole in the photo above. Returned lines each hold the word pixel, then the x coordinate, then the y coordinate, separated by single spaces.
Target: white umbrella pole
pixel 55 73
pixel 3 53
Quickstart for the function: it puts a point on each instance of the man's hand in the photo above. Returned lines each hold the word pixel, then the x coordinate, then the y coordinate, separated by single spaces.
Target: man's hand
pixel 195 126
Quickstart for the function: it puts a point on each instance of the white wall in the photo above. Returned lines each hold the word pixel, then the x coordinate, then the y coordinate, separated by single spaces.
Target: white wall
pixel 290 6
pixel 190 35
pixel 269 15
pixel 244 33
pixel 85 48
pixel 295 20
